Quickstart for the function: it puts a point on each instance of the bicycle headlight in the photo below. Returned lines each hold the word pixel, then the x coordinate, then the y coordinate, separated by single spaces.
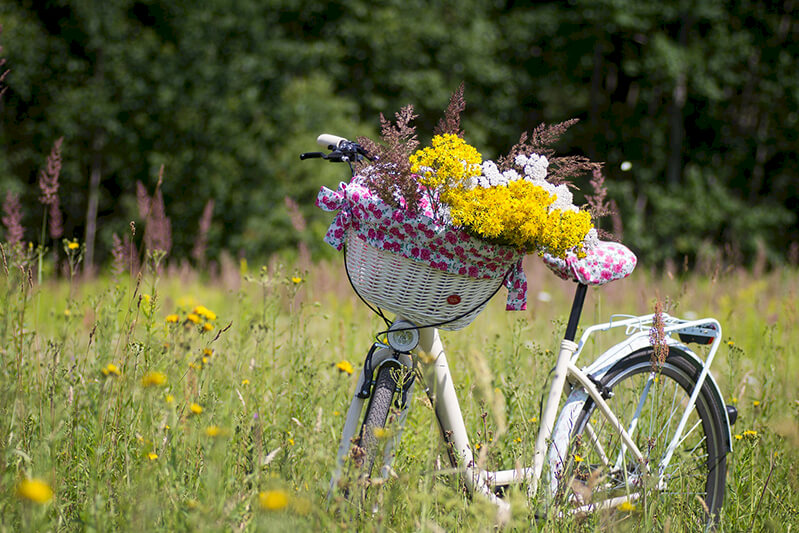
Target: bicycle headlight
pixel 403 336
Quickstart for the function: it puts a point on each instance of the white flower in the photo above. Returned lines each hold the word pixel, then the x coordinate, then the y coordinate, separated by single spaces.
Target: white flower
pixel 471 183
pixel 521 160
pixel 511 175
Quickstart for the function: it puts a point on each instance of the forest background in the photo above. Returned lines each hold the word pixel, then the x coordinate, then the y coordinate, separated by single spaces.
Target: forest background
pixel 691 104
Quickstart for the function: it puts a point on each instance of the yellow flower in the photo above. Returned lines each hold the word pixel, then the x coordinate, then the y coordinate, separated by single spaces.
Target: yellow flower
pixel 756 403
pixel 169 398
pixel 153 378
pixel 67 312
pixel 734 400
pixel 208 351
pixel 214 431
pixel 626 506
pixel 208 326
pixel 196 408
pixel 110 369
pixel 73 245
pixel 204 312
pixel 245 381
pixel 730 343
pixel 193 318
pixel 172 319
pixel 578 459
pixel 344 366
pixel 291 442
pixel 750 433
pixel 296 280
pixel 35 490
pixel 738 437
pixel 273 500
pixel 382 433
pixel 152 456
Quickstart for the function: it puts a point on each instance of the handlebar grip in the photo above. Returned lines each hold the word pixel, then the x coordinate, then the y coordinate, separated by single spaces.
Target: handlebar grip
pixel 331 142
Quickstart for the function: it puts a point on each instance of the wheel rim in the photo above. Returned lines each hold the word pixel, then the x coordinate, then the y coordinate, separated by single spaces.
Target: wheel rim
pixel 602 473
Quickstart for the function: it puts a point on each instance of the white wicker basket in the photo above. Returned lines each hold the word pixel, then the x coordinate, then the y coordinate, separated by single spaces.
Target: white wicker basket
pixel 416 291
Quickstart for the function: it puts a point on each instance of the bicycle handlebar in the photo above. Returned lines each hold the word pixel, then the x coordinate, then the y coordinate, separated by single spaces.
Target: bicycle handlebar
pixel 341 150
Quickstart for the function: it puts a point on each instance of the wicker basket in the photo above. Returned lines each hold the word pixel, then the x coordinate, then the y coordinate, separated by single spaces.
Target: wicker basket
pixel 416 291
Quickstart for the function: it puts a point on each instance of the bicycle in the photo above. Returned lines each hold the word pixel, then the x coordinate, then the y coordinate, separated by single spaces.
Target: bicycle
pixel 634 421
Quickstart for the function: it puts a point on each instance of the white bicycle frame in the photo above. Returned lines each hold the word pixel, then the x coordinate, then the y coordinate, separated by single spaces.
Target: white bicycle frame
pixel 441 392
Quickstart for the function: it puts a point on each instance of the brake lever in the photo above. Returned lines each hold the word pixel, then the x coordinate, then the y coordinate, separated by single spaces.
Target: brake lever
pixel 312 155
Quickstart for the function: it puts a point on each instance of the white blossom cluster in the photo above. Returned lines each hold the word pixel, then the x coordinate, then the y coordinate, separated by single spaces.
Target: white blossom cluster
pixel 535 171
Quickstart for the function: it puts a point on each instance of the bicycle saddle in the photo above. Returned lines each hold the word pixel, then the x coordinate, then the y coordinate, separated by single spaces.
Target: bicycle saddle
pixel 605 262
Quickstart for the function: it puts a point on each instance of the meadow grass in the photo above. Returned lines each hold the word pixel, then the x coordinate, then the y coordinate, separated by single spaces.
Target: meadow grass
pixel 178 402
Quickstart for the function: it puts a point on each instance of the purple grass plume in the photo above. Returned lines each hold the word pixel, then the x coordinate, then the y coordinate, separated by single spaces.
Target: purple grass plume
pixel 3 71
pixel 12 219
pixel 48 185
pixel 204 226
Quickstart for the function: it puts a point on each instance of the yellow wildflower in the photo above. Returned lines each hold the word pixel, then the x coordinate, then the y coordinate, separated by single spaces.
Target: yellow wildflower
pixel 381 433
pixel 172 319
pixel 208 326
pixel 204 312
pixel 196 408
pixel 67 312
pixel 739 437
pixel 193 318
pixel 296 280
pixel 626 506
pixel 291 442
pixel 208 351
pixel 578 458
pixel 35 490
pixel 245 381
pixel 153 378
pixel 169 398
pixel 110 369
pixel 214 431
pixel 756 403
pixel 273 500
pixel 750 433
pixel 73 245
pixel 345 366
pixel 152 456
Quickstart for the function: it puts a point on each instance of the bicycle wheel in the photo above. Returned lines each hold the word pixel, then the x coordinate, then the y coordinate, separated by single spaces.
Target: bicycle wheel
pixel 594 470
pixel 376 415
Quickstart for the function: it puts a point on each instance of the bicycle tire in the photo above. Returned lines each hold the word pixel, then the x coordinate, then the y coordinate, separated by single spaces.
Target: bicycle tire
pixel 696 470
pixel 376 415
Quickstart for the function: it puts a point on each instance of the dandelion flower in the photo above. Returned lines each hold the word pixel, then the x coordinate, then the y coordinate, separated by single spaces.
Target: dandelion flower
pixel 208 326
pixel 172 319
pixel 245 381
pixel 578 458
pixel 750 433
pixel 35 490
pixel 111 369
pixel 169 398
pixel 208 351
pixel 296 280
pixel 73 245
pixel 739 437
pixel 196 408
pixel 626 506
pixel 345 366
pixel 756 403
pixel 193 318
pixel 153 378
pixel 273 500
pixel 152 456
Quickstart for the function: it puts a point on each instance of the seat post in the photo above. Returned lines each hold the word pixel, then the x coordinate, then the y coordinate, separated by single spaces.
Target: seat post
pixel 577 309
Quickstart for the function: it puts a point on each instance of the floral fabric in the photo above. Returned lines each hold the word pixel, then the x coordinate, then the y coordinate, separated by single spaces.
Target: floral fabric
pixel 605 262
pixel 420 238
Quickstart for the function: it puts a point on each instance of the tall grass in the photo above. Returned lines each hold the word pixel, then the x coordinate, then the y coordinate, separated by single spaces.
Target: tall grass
pixel 139 416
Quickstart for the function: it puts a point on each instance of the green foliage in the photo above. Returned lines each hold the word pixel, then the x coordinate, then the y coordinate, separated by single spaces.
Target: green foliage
pixel 226 94
pixel 122 448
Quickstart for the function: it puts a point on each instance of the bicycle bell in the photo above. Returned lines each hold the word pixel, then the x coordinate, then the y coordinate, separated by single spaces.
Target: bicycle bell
pixel 403 336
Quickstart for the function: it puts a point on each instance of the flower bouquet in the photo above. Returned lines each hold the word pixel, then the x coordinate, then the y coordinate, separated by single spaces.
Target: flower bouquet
pixel 432 233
